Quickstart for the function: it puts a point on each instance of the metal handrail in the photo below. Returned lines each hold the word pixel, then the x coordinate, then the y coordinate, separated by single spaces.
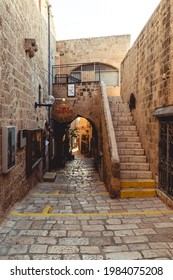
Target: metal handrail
pixel 63 73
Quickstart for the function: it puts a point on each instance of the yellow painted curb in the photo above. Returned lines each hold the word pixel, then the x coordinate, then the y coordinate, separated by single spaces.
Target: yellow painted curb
pixel 138 184
pixel 137 193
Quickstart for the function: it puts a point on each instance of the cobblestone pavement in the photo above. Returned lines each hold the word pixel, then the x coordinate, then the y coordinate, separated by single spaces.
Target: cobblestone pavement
pixel 74 218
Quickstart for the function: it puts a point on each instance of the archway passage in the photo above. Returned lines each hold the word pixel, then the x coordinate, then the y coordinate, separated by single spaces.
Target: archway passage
pixel 78 137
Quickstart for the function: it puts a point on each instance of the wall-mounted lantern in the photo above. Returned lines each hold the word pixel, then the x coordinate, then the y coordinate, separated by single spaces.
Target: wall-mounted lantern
pixel 48 102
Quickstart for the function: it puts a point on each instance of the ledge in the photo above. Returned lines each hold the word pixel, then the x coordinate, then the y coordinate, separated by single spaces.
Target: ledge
pixel 163 112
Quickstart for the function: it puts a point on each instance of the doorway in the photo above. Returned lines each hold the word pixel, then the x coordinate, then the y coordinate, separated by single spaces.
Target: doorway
pixel 82 137
pixel 166 155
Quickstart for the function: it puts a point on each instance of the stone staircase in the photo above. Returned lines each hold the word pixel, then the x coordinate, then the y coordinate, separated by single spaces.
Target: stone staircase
pixel 135 175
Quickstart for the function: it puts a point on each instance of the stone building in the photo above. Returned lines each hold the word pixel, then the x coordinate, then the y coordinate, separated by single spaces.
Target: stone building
pixel 23 81
pixel 146 71
pixel 108 51
pixel 81 66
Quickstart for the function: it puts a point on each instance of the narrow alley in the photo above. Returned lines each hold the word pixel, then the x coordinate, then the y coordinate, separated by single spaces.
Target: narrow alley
pixel 75 218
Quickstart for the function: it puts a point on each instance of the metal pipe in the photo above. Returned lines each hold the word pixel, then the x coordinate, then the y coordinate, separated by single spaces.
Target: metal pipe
pixel 49 108
pixel 49 6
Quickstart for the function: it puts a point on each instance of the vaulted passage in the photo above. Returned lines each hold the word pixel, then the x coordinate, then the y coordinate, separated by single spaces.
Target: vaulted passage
pixel 79 137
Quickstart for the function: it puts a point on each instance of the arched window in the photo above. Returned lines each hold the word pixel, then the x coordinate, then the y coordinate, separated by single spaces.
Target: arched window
pixel 97 72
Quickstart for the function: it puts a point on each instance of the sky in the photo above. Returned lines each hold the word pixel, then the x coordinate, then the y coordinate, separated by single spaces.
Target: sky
pixel 75 19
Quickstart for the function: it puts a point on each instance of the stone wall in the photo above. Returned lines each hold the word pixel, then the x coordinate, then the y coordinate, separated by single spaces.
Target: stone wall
pixel 91 102
pixel 147 72
pixel 108 50
pixel 20 77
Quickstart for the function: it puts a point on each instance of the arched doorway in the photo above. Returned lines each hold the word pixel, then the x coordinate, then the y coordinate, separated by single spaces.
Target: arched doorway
pixel 78 137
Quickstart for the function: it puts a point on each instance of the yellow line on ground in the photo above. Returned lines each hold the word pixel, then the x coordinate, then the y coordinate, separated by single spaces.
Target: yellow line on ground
pixel 47 210
pixel 67 194
pixel 45 213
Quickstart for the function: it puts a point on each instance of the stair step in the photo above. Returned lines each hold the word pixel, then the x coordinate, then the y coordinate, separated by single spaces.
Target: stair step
pixel 126 128
pixel 49 177
pixel 122 123
pixel 134 159
pixel 133 193
pixel 134 166
pixel 129 152
pixel 128 133
pixel 137 183
pixel 123 118
pixel 119 114
pixel 131 174
pixel 127 138
pixel 129 145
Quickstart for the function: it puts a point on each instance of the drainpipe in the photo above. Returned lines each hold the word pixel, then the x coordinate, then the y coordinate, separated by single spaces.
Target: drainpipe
pixel 49 109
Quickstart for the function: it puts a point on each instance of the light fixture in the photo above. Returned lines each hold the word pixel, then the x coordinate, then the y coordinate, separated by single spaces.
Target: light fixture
pixel 48 102
pixel 60 98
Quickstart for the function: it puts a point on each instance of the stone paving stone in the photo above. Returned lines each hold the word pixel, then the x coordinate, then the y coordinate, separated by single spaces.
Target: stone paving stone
pixel 158 245
pixel 107 233
pixel 163 225
pixel 114 221
pixel 121 227
pixel 93 228
pixel 131 221
pixel 34 232
pixel 126 232
pixel 46 257
pixel 15 257
pixel 38 249
pixel 89 250
pixel 144 231
pixel 18 249
pixel 92 233
pixel 135 239
pixel 66 227
pixel 58 233
pixel 117 248
pixel 74 241
pixel 124 256
pixel 92 257
pixel 63 249
pixel 138 246
pixel 19 240
pixel 99 241
pixel 157 253
pixel 75 233
pixel 71 257
pixel 46 240
pixel 3 249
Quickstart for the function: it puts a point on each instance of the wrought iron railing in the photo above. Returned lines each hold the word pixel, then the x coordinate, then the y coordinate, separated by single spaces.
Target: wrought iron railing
pixel 76 73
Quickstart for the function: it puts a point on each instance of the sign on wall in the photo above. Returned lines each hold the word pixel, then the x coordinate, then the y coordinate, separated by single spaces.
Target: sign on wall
pixel 71 90
pixel 63 112
pixel 8 148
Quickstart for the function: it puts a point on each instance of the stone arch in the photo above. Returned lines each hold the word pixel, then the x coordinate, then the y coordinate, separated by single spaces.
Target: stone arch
pixel 59 131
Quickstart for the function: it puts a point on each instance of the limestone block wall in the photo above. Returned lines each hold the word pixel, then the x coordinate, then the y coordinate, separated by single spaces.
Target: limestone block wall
pixel 20 77
pixel 142 72
pixel 109 50
pixel 91 102
pixel 86 101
